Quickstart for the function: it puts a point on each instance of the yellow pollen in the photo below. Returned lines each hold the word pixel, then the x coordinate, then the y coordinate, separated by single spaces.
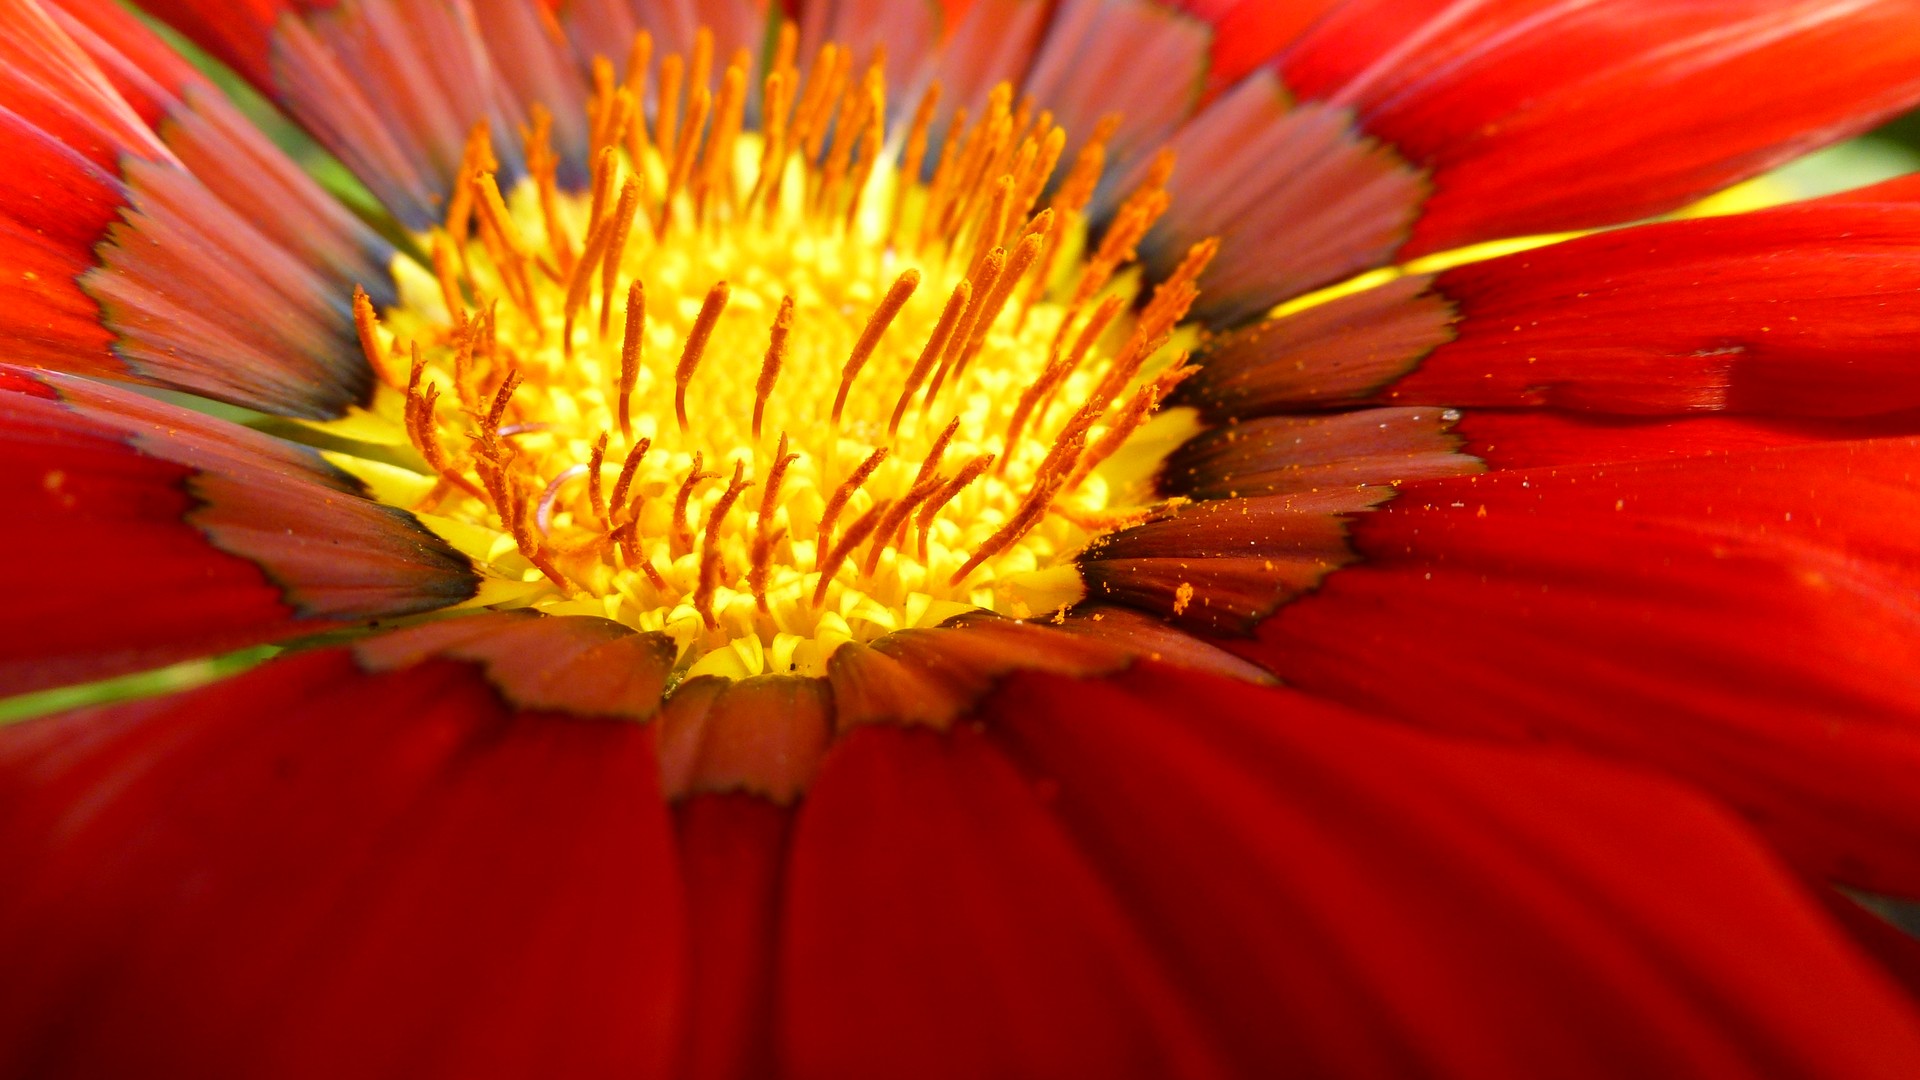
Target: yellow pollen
pixel 768 391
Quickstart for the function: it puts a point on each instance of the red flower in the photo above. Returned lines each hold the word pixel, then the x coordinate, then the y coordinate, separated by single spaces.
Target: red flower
pixel 670 687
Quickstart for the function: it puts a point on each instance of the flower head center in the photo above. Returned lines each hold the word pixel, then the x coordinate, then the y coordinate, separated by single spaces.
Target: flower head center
pixel 767 391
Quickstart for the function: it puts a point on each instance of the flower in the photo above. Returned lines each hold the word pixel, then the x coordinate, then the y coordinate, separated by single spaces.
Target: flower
pixel 805 547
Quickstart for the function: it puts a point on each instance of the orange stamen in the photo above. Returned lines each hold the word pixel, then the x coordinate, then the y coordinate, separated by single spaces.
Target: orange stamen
pixel 710 311
pixel 877 325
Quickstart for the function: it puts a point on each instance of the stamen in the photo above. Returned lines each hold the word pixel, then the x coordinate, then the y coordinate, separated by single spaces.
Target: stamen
pixel 631 343
pixel 700 70
pixel 367 325
pixel 1062 366
pixel 935 453
pixel 445 273
pixel 968 474
pixel 595 496
pixel 666 126
pixel 895 518
pixel 513 251
pixel 476 158
pixel 428 440
pixel 936 346
pixel 1041 389
pixel 577 284
pixel 845 492
pixel 716 168
pixel 943 174
pixel 1023 257
pixel 764 538
pixel 1138 410
pixel 620 232
pixel 877 325
pixel 543 166
pixel 697 339
pixel 983 288
pixel 625 481
pixel 777 99
pixel 710 548
pixel 683 155
pixel 862 528
pixel 916 154
pixel 639 60
pixel 770 367
pixel 531 546
pixel 682 539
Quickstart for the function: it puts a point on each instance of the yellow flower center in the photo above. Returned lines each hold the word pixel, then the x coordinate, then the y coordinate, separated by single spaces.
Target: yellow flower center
pixel 767 391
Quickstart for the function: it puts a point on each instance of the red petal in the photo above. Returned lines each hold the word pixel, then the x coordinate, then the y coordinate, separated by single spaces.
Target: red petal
pixel 238 32
pixel 733 850
pixel 606 27
pixel 1298 197
pixel 993 42
pixel 224 151
pixel 146 534
pixel 1796 311
pixel 577 665
pixel 1328 355
pixel 1222 565
pixel 351 74
pixel 1338 898
pixel 135 268
pixel 940 923
pixel 60 123
pixel 309 871
pixel 1248 32
pixel 1746 621
pixel 931 676
pixel 763 736
pixel 1541 115
pixel 1531 438
pixel 911 34
pixel 1139 60
pixel 1297 455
